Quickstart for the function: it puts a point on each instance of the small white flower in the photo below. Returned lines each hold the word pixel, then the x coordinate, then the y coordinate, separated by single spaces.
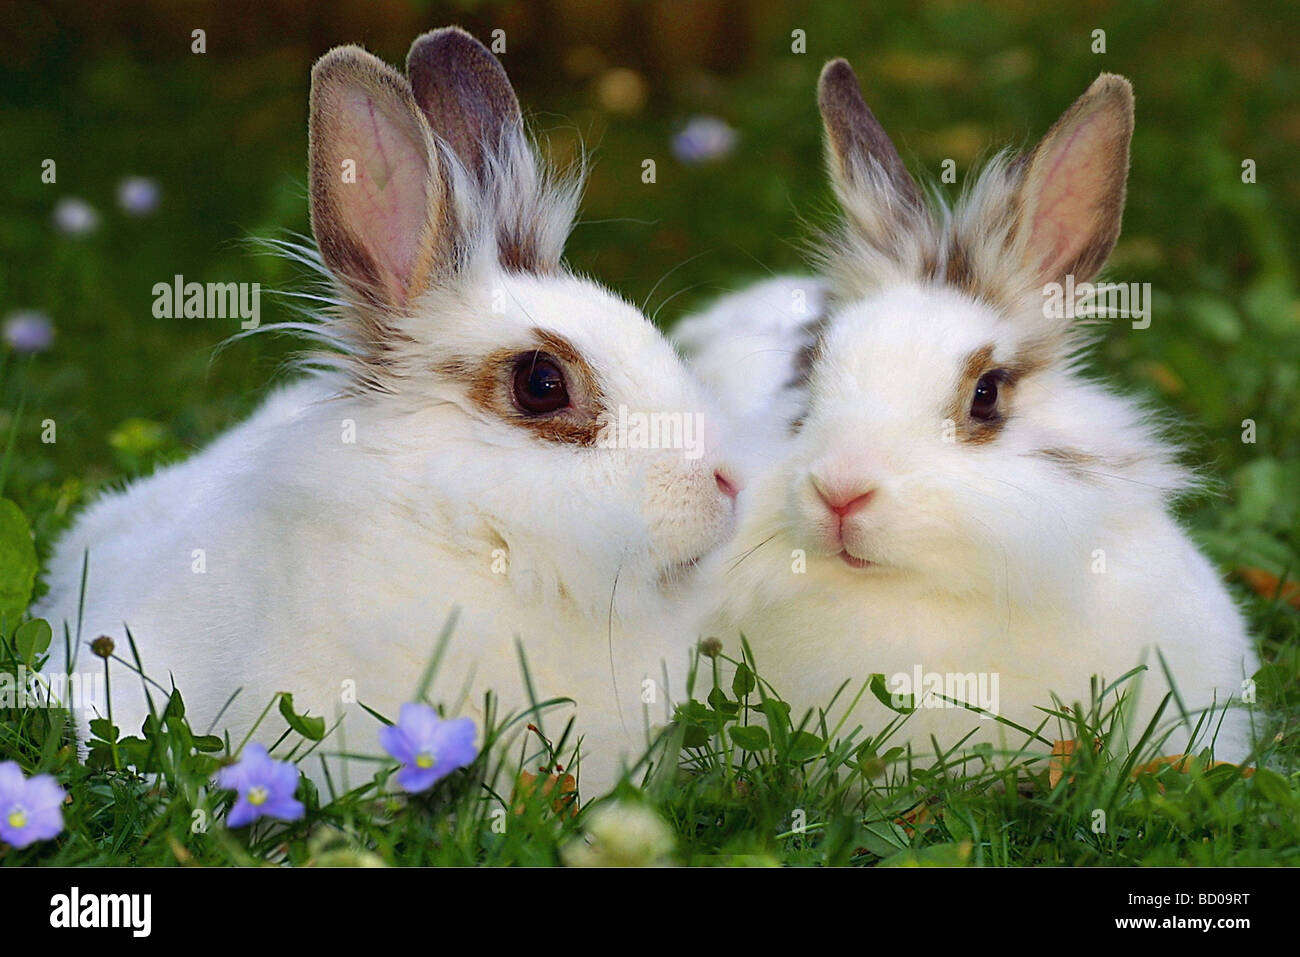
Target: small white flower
pixel 75 217
pixel 622 835
pixel 138 195
pixel 703 140
pixel 28 331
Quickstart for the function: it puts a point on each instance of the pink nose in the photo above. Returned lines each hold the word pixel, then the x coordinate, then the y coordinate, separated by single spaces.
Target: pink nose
pixel 844 502
pixel 726 485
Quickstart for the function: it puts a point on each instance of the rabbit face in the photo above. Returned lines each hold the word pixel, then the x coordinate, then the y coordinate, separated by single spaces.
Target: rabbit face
pixel 946 433
pixel 577 394
pixel 940 440
pixel 891 470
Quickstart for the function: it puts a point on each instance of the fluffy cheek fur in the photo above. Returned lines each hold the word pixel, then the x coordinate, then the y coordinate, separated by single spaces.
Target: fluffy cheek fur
pixel 686 515
pixel 602 528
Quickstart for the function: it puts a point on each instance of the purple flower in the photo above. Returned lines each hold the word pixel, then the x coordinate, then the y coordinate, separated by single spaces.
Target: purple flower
pixel 75 217
pixel 704 139
pixel 138 195
pixel 265 788
pixel 428 747
pixel 31 809
pixel 28 332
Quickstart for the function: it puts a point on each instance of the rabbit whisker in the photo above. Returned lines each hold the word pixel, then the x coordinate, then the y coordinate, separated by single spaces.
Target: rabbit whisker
pixel 656 286
pixel 609 634
pixel 734 565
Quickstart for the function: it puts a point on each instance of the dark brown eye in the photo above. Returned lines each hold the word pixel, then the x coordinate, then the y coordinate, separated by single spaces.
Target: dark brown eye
pixel 539 384
pixel 984 405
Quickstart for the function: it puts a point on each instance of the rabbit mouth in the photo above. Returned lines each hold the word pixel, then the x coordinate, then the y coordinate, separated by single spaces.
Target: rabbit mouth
pixel 852 560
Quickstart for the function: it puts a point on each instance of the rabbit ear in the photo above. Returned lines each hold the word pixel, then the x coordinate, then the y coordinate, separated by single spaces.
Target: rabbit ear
pixel 469 102
pixel 465 95
pixel 858 142
pixel 380 207
pixel 1071 193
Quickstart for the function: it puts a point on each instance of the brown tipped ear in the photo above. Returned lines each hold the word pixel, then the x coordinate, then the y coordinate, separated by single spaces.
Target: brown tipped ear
pixel 855 135
pixel 464 93
pixel 1071 194
pixel 378 200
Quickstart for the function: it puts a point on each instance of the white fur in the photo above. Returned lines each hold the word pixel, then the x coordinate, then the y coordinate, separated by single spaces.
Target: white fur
pixel 991 558
pixel 331 564
pixel 742 350
pixel 984 555
pixel 328 562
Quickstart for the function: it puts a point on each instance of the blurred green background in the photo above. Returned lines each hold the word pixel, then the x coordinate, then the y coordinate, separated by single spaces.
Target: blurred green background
pixel 112 89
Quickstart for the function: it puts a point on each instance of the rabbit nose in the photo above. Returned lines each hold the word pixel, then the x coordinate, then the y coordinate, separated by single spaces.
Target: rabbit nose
pixel 727 485
pixel 845 500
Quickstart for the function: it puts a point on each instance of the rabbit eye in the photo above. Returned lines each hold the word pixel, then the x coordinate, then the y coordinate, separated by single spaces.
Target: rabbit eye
pixel 538 384
pixel 984 405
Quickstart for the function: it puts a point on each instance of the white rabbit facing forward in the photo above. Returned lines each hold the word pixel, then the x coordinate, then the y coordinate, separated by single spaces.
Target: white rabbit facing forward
pixel 952 500
pixel 452 454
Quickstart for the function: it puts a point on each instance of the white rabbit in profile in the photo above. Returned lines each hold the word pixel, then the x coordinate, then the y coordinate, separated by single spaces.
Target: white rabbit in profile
pixel 458 453
pixel 946 497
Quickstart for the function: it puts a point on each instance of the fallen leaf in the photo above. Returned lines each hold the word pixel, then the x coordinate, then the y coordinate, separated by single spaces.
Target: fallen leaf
pixel 183 856
pixel 1182 763
pixel 566 801
pixel 1163 376
pixel 1062 754
pixel 1270 586
pixel 911 820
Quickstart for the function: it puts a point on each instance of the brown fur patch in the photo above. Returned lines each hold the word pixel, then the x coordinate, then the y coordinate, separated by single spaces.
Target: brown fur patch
pixel 947 261
pixel 489 385
pixel 518 252
pixel 977 363
pixel 971 430
pixel 809 351
pixel 1086 465
pixel 958 271
pixel 806 359
pixel 1074 460
pixel 1033 356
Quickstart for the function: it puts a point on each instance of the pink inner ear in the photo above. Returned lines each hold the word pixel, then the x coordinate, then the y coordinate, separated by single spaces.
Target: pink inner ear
pixel 1074 187
pixel 387 207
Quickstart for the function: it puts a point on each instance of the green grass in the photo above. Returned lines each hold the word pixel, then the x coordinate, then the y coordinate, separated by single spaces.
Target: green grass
pixel 736 780
pixel 225 137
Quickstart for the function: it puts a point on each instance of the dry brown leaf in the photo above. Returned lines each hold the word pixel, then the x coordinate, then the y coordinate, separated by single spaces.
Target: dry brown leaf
pixel 1181 763
pixel 911 820
pixel 1270 586
pixel 565 788
pixel 1062 754
pixel 183 856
